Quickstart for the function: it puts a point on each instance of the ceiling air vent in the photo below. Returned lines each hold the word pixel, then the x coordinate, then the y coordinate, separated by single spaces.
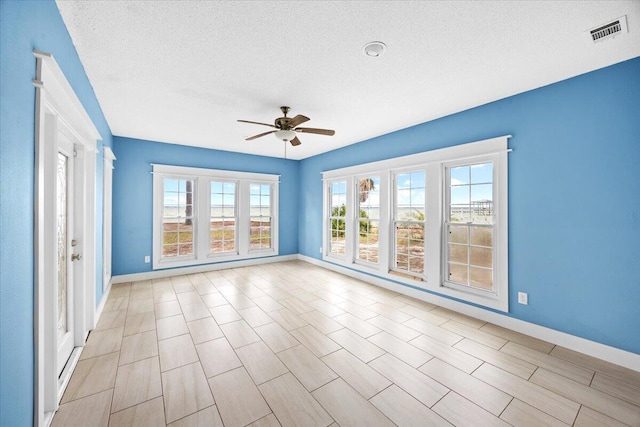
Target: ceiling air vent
pixel 609 30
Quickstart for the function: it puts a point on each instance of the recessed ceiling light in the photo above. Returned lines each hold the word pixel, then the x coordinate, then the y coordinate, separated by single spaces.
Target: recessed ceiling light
pixel 374 49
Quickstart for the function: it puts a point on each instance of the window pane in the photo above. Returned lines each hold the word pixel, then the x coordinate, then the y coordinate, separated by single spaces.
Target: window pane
pixel 460 195
pixel 482 193
pixel 216 187
pixel 481 257
pixel 169 250
pixel 403 180
pixel 229 187
pixel 459 253
pixel 458 273
pixel 458 234
pixel 416 265
pixel 460 213
pixel 459 175
pixel 481 278
pixel 482 173
pixel 482 236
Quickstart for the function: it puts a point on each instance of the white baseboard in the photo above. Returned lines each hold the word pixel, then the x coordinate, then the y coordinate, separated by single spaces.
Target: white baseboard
pixel 158 274
pixel 601 351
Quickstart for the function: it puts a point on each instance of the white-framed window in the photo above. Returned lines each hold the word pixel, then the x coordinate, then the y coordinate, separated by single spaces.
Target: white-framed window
pixel 409 213
pixel 336 212
pixel 178 221
pixel 469 225
pixel 441 221
pixel 261 216
pixel 368 218
pixel 223 217
pixel 204 215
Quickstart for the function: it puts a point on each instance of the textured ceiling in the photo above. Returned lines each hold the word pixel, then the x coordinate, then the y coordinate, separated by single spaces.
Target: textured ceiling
pixel 183 72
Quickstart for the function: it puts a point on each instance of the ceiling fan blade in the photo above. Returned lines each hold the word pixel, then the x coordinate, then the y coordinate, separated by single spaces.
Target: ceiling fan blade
pixel 318 131
pixel 298 120
pixel 295 141
pixel 257 123
pixel 251 138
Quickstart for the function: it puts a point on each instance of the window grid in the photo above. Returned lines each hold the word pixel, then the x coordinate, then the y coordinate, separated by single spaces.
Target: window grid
pixel 223 217
pixel 177 217
pixel 337 217
pixel 368 219
pixel 409 217
pixel 470 226
pixel 260 211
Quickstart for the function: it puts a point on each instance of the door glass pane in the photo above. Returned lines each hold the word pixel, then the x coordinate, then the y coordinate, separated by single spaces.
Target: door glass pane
pixel 62 242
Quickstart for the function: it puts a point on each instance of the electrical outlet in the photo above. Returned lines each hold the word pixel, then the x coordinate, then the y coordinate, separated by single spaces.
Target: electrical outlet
pixel 147 259
pixel 523 298
pixel 320 249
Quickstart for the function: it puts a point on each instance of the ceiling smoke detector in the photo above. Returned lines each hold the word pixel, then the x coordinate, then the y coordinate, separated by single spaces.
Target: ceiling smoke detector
pixel 374 49
pixel 609 30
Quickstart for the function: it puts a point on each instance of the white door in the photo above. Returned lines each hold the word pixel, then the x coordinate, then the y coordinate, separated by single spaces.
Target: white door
pixel 65 255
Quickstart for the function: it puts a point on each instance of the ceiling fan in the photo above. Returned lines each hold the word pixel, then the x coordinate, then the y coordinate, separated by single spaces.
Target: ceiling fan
pixel 286 128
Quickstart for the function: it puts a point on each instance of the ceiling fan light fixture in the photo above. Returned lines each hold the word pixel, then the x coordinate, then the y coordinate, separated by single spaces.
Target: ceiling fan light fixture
pixel 285 135
pixel 374 49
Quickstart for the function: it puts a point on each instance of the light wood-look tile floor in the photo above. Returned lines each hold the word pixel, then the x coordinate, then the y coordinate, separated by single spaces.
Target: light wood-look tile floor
pixel 292 344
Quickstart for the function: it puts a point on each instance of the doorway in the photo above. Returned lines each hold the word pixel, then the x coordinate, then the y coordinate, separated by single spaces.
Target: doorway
pixel 64 234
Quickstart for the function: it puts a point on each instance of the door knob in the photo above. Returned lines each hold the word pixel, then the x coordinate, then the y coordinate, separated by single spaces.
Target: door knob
pixel 75 257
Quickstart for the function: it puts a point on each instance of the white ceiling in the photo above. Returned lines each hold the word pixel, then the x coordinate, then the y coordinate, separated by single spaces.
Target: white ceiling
pixel 183 72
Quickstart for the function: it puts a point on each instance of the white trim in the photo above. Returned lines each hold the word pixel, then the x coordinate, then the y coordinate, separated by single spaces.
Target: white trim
pixel 159 274
pixel 213 173
pixel 605 352
pixel 107 215
pixel 58 108
pixel 455 152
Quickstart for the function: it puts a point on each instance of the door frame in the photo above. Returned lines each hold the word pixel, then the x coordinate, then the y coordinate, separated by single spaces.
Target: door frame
pixel 57 107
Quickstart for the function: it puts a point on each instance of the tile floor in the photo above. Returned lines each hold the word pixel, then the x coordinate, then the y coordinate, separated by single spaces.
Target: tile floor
pixel 293 344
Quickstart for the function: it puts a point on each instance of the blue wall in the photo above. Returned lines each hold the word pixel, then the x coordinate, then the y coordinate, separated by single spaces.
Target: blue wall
pixel 132 194
pixel 24 26
pixel 574 197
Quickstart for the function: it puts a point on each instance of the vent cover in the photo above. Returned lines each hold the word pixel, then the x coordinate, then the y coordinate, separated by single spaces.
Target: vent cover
pixel 609 30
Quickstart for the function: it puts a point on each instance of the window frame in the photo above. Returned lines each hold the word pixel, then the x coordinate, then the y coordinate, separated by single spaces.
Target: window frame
pixel 202 212
pixel 328 218
pixel 357 219
pixel 271 216
pixel 434 164
pixel 393 221
pixel 194 216
pixel 235 217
